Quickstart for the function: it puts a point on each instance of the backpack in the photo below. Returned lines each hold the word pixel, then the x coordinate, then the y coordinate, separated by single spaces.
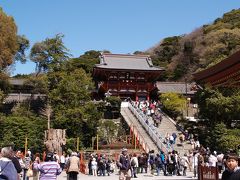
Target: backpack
pixel 133 163
pixel 159 161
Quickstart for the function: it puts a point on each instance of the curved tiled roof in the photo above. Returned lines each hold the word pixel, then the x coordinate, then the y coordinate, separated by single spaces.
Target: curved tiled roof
pixel 130 62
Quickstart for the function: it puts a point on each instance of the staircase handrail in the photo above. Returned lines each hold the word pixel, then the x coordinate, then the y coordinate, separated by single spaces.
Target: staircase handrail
pixel 154 135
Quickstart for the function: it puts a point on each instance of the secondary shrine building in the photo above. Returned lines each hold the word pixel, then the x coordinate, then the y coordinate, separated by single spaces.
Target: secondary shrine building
pixel 126 76
pixel 224 74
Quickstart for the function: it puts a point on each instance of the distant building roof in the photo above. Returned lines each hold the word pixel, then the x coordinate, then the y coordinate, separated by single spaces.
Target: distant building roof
pixel 18 82
pixel 126 61
pixel 20 97
pixel 176 87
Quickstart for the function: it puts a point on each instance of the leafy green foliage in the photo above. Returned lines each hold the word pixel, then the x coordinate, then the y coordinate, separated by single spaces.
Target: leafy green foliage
pixel 108 130
pixel 173 104
pixel 221 138
pixel 17 127
pixel 23 45
pixel 8 40
pixel 86 61
pixel 70 96
pixel 112 107
pixel 202 48
pixel 12 46
pixel 114 101
pixel 229 20
pixel 79 122
pixel 49 54
pixel 168 48
pixel 5 86
pixel 179 71
pixel 39 84
pixel 69 89
pixel 219 107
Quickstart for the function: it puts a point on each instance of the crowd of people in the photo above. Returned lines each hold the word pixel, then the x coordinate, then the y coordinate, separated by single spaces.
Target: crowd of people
pixel 171 163
pixel 14 166
pixel 161 163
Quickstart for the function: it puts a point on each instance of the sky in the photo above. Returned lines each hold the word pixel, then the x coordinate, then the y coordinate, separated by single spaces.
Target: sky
pixel 120 26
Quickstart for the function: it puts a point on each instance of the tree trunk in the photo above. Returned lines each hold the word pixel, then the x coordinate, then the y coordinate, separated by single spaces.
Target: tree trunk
pixel 55 140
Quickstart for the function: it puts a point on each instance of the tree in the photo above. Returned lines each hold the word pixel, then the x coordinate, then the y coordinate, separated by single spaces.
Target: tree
pixel 69 96
pixel 221 138
pixel 216 106
pixel 5 86
pixel 85 61
pixel 69 89
pixel 204 47
pixel 47 111
pixel 16 127
pixel 214 135
pixel 173 104
pixel 38 84
pixel 23 45
pixel 12 46
pixel 49 54
pixel 108 131
pixel 8 40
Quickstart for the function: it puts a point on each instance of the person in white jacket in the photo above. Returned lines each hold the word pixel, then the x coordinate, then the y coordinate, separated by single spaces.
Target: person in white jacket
pixel 134 165
pixel 212 160
pixel 195 163
pixel 94 166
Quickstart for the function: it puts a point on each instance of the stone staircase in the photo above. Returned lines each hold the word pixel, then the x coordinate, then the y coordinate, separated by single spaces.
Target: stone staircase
pixel 138 130
pixel 169 126
pixel 146 136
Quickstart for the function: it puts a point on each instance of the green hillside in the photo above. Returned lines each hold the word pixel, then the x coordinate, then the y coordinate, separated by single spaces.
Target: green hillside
pixel 202 48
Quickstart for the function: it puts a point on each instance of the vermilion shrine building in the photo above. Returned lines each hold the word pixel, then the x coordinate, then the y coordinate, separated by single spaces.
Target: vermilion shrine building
pixel 126 76
pixel 224 74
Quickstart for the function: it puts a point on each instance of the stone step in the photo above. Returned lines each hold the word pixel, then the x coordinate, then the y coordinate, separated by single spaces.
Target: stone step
pixel 139 130
pixel 167 126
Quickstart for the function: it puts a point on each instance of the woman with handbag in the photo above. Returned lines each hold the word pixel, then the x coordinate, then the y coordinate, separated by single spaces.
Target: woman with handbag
pixel 27 163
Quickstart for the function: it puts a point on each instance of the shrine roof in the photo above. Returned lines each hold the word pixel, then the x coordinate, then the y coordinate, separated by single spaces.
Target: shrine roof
pixel 220 69
pixel 175 87
pixel 126 61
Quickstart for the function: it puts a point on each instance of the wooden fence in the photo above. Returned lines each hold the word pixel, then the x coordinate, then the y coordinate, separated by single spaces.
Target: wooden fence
pixel 208 173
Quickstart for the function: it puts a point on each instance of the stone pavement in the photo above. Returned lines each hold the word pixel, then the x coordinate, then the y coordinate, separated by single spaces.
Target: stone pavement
pixel 143 176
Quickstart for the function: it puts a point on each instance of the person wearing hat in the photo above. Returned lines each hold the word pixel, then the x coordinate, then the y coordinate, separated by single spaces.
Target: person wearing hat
pixel 124 166
pixel 72 166
pixel 232 171
pixel 49 169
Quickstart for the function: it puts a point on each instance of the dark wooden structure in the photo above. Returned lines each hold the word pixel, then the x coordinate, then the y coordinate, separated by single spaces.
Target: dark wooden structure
pixel 208 173
pixel 126 76
pixel 224 74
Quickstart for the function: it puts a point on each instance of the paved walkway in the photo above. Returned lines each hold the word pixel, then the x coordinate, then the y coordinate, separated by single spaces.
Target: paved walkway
pixel 143 176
